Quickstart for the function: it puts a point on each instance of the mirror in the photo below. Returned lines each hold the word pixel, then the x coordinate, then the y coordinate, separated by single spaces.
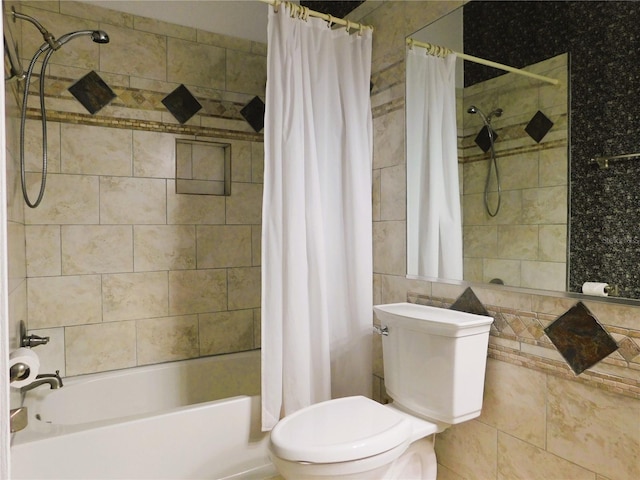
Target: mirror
pixel 563 220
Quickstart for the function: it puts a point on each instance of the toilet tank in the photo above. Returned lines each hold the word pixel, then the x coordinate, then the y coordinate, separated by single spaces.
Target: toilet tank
pixel 434 360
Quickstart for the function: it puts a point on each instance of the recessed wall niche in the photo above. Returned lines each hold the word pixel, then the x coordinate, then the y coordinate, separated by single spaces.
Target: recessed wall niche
pixel 203 167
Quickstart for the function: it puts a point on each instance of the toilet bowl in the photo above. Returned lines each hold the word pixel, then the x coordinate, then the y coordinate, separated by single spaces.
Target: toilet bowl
pixel 434 366
pixel 353 438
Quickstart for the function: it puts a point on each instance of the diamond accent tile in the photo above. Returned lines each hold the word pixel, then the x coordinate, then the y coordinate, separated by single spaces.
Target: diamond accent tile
pixel 538 126
pixel 469 303
pixel 629 349
pixel 253 113
pixel 182 104
pixel 580 338
pixel 92 92
pixel 483 140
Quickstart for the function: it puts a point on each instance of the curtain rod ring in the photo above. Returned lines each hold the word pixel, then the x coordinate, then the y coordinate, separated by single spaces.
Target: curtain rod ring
pixel 348 27
pixel 330 24
pixel 276 6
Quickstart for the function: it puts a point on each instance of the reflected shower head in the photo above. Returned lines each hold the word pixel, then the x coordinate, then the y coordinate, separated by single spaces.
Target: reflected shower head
pixel 485 118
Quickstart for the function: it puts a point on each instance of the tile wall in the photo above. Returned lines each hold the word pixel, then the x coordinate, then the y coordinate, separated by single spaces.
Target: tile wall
pixel 122 271
pixel 539 421
pixel 525 243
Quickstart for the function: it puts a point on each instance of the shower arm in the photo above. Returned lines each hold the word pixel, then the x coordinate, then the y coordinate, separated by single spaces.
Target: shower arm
pixel 48 36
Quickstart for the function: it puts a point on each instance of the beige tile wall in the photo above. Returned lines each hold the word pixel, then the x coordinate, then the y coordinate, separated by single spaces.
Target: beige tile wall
pixel 525 244
pixel 122 271
pixel 539 421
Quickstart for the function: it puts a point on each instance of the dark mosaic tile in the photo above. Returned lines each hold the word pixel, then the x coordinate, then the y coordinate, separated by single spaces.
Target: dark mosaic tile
pixel 483 140
pixel 337 8
pixel 538 126
pixel 253 113
pixel 92 92
pixel 469 303
pixel 580 338
pixel 182 104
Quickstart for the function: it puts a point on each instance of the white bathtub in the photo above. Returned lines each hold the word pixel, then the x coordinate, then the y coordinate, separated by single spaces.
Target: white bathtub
pixel 195 419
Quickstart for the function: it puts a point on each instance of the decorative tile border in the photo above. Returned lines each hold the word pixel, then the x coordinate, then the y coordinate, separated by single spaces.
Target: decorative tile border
pixel 516 335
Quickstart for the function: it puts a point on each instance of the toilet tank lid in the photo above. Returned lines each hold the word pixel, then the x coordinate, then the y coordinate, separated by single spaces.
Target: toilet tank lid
pixel 438 321
pixel 339 430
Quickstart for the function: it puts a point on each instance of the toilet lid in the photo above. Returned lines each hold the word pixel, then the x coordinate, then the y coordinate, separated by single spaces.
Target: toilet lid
pixel 339 430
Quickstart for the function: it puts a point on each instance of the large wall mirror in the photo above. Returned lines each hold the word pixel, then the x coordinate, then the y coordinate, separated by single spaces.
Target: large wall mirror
pixel 563 220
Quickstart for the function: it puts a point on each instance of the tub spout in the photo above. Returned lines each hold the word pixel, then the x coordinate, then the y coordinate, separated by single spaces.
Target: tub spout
pixel 52 379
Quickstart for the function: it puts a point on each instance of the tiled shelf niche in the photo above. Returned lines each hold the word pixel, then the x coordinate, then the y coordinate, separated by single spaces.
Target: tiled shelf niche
pixel 203 167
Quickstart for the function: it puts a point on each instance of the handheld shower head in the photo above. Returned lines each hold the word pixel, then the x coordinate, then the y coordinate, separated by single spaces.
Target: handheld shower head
pixel 97 36
pixel 485 118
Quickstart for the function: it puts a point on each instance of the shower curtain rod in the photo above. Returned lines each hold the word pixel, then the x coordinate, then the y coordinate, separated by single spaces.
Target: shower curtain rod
pixel 439 51
pixel 305 12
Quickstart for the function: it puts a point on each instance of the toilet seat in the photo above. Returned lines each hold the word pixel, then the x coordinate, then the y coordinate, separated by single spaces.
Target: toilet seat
pixel 340 430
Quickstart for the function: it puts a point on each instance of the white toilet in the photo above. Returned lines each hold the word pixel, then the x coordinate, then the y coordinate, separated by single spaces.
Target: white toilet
pixel 434 366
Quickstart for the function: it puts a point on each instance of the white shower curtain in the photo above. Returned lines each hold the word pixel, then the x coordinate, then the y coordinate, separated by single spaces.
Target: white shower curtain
pixel 316 217
pixel 434 234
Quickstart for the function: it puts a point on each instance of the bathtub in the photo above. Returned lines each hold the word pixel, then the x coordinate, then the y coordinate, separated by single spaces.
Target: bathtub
pixel 194 419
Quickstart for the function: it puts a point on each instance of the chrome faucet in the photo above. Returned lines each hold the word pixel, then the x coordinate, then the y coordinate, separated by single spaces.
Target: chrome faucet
pixel 53 379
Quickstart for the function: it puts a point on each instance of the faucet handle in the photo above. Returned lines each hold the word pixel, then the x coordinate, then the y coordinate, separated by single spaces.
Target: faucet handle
pixel 31 341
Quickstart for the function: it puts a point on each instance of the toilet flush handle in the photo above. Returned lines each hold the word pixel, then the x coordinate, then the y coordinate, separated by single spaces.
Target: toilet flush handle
pixel 384 331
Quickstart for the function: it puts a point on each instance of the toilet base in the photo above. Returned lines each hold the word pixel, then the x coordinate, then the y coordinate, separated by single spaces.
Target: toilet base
pixel 417 462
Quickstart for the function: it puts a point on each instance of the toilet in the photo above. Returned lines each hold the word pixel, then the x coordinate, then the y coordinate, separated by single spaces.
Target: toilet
pixel 434 366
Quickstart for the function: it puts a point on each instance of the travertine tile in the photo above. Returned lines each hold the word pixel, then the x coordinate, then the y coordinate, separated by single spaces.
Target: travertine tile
pixel 224 246
pixel 544 275
pixel 257 327
pixel 519 171
pixel 154 154
pixel 33 146
pixel 136 53
pixel 68 199
pixel 132 201
pixel 16 252
pixel 554 168
pixel 518 242
pixel 244 206
pixel 376 195
pixel 388 139
pixel 62 301
pixel 94 12
pixel 194 209
pixel 390 247
pixel 514 401
pixel 197 291
pixel 100 347
pixel 164 247
pixel 545 205
pixel 480 241
pixel 93 150
pixel 595 429
pixel 241 167
pixel 244 288
pixel 43 250
pixel 164 28
pixel 257 162
pixel 96 249
pixel 256 245
pixel 553 243
pixel 129 296
pixel 393 193
pixel 167 339
pixel 469 449
pixel 246 72
pixel 226 332
pixel 521 460
pixel 509 271
pixel 195 63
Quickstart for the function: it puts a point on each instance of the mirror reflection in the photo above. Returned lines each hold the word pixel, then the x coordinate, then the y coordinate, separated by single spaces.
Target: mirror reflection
pixel 527 221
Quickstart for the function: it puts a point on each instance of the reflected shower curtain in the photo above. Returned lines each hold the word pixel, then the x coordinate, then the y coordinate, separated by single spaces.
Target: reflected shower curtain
pixel 434 233
pixel 316 217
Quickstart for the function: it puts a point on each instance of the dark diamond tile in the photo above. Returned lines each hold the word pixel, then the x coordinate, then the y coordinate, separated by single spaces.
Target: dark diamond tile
pixel 580 339
pixel 253 113
pixel 92 92
pixel 182 104
pixel 469 303
pixel 483 140
pixel 538 126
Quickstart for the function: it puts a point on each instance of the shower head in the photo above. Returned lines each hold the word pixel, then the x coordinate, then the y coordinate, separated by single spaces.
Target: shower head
pixel 97 36
pixel 485 118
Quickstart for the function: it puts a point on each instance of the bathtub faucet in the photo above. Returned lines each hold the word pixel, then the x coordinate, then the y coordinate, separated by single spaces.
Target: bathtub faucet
pixel 53 379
